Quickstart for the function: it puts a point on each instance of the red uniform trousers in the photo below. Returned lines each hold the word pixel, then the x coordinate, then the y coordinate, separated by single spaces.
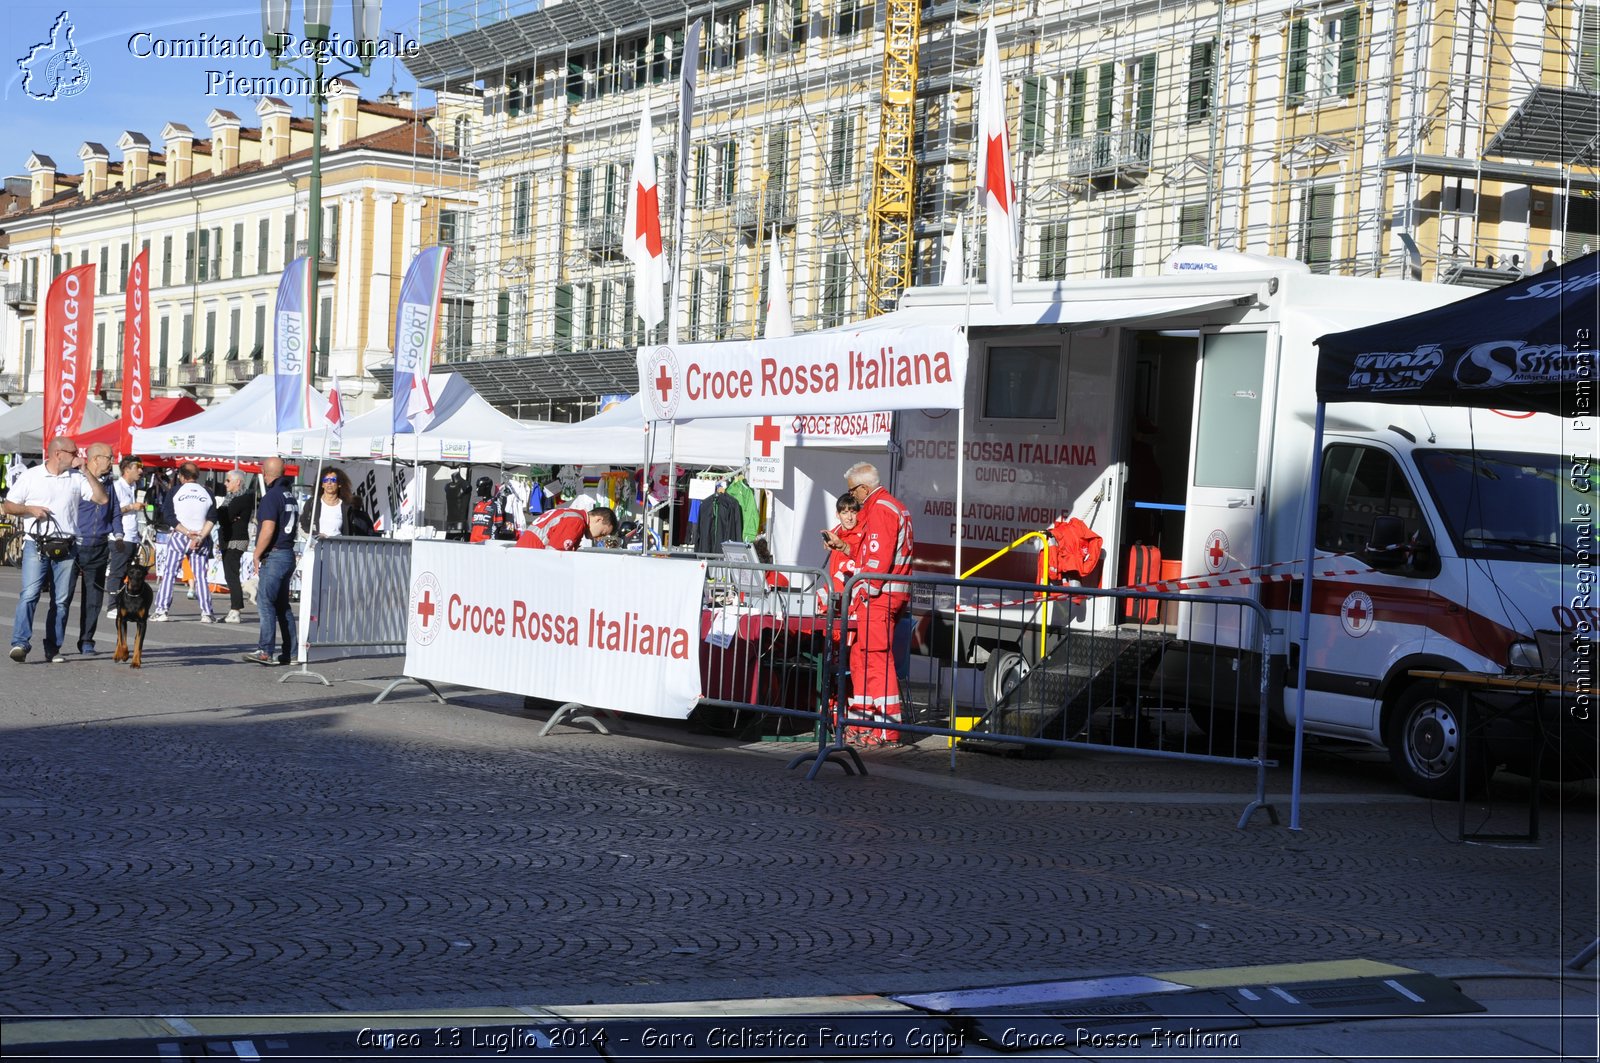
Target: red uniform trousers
pixel 875 688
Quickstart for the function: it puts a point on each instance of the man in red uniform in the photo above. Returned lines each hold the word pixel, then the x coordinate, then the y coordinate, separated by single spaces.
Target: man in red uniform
pixel 564 529
pixel 884 546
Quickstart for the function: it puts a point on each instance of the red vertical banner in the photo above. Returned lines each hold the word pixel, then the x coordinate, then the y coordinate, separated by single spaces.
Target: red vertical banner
pixel 135 351
pixel 68 340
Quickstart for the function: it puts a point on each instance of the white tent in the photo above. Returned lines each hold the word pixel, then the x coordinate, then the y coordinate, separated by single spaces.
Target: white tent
pixel 241 426
pixel 22 427
pixel 463 427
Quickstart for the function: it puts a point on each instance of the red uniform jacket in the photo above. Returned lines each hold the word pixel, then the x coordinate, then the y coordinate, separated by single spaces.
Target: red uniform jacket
pixel 556 529
pixel 885 546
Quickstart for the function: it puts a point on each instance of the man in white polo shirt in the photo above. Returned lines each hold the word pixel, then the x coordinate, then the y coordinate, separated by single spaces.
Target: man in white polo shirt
pixel 45 493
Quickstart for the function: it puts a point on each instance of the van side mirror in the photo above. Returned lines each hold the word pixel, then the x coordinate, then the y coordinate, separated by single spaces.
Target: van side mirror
pixel 1386 546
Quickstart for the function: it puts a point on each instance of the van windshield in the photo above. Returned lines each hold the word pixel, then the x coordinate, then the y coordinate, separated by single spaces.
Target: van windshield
pixel 1503 505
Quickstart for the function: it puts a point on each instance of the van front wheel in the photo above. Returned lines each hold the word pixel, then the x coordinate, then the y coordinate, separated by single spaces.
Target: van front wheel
pixel 1425 743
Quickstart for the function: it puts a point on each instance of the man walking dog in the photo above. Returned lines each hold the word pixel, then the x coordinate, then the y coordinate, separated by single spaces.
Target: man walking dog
pixel 95 524
pixel 48 494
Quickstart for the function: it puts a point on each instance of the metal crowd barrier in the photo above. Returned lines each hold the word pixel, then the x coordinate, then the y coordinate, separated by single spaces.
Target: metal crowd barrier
pixel 354 602
pixel 996 665
pixel 767 649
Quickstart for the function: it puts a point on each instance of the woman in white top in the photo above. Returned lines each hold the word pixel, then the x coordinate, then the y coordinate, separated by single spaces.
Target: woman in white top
pixel 335 511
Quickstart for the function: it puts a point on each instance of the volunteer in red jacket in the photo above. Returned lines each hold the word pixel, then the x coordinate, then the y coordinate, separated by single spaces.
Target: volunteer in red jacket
pixel 564 529
pixel 877 605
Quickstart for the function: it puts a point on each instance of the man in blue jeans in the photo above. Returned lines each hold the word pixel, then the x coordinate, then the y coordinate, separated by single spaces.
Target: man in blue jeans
pixel 49 495
pixel 274 555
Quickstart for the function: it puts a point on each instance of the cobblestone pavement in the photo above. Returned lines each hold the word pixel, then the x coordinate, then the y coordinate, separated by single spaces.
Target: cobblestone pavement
pixel 197 837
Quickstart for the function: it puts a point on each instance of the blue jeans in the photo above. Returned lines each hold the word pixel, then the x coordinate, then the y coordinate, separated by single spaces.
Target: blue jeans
pixel 34 570
pixel 272 603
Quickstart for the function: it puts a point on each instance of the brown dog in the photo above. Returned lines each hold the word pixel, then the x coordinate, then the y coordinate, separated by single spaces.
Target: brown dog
pixel 133 600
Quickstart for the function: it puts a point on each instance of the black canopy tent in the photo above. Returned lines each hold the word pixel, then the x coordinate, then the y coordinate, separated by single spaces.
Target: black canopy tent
pixel 1528 346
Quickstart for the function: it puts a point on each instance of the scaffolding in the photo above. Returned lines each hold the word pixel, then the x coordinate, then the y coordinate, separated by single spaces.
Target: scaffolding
pixel 1380 138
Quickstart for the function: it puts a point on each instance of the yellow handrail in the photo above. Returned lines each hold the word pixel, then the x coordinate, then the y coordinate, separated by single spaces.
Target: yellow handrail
pixel 1044 546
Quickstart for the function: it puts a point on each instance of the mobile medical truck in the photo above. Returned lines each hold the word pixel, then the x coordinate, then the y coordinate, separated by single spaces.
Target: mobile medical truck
pixel 1176 412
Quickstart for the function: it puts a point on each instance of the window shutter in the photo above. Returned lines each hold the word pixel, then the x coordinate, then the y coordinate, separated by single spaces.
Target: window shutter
pixel 502 321
pixel 1145 110
pixel 1349 31
pixel 1316 227
pixel 1076 101
pixel 1192 224
pixel 1033 101
pixel 1299 49
pixel 563 317
pixel 1105 97
pixel 1202 68
pixel 585 194
pixel 777 162
pixel 1588 75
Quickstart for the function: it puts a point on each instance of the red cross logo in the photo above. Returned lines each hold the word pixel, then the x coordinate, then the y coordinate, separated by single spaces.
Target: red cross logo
pixel 766 433
pixel 426 608
pixel 664 383
pixel 661 385
pixel 1357 614
pixel 1217 553
pixel 425 595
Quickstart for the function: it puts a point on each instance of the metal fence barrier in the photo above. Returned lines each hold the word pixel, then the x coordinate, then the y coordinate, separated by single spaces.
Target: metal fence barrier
pixel 993 665
pixel 354 602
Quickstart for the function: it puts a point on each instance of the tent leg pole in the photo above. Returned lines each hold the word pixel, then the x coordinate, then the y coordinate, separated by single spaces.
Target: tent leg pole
pixel 1305 615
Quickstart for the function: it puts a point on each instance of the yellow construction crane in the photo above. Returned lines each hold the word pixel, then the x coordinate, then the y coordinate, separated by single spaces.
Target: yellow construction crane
pixel 891 214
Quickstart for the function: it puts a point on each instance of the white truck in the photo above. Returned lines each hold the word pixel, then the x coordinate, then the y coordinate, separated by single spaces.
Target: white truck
pixel 1178 412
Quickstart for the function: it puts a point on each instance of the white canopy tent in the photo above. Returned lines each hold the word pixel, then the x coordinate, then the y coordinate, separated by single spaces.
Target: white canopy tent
pixel 241 426
pixel 462 428
pixel 22 427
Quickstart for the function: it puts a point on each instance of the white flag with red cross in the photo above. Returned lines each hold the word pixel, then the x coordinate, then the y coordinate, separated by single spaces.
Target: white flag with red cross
pixel 995 186
pixel 641 235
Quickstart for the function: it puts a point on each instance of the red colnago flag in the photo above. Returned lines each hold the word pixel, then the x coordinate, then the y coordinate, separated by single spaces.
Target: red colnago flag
pixel 135 351
pixel 68 333
pixel 641 233
pixel 995 186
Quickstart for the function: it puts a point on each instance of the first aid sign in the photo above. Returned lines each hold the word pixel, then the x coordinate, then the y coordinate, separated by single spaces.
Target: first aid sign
pixel 583 627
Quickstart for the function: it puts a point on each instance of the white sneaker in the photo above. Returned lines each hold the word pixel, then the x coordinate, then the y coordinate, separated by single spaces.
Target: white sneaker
pixel 207 618
pixel 156 618
pixel 189 594
pixel 232 617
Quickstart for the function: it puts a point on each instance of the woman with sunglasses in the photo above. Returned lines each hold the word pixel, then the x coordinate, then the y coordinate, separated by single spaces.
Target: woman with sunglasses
pixel 334 511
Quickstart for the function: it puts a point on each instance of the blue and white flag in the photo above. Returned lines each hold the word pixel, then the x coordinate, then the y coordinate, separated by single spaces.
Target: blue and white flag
pixel 291 349
pixel 416 326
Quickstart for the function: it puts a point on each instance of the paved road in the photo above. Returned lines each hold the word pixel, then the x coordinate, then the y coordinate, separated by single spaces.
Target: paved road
pixel 196 837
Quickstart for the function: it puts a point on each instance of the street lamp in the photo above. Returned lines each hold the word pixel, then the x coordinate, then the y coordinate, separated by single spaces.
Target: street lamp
pixel 365 18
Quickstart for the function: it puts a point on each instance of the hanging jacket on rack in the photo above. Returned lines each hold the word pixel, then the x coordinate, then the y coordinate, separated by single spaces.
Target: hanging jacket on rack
pixel 720 521
pixel 750 512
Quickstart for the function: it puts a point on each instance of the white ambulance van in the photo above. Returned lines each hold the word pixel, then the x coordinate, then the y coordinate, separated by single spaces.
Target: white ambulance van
pixel 1177 413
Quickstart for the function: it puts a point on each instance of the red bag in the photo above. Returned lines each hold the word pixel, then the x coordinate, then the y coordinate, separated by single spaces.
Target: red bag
pixel 1144 566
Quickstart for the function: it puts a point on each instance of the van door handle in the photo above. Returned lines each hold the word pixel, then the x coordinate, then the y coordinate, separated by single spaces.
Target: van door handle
pixel 1237 503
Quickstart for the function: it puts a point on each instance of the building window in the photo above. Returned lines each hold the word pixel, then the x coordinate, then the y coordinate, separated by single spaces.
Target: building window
pixel 585 195
pixel 1053 252
pixel 1105 101
pixel 1142 76
pixel 849 17
pixel 288 239
pixel 238 249
pixel 835 301
pixel 522 207
pixel 1035 109
pixel 122 284
pixel 841 150
pixel 607 314
pixel 211 335
pixel 263 242
pixel 105 268
pixel 1192 225
pixel 502 322
pixel 325 333
pixel 234 316
pixel 1316 227
pixel 261 331
pixel 462 138
pixel 702 176
pixel 99 347
pixel 724 307
pixel 1322 57
pixel 186 349
pixel 1119 245
pixel 1202 78
pixel 728 160
pixel 161 349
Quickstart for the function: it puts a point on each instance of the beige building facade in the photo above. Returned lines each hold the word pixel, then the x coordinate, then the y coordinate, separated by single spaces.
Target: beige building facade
pixel 1443 140
pixel 221 215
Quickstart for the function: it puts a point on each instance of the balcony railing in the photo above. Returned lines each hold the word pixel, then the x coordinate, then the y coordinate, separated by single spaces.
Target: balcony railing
pixel 603 235
pixel 194 373
pixel 752 210
pixel 11 383
pixel 943 138
pixel 21 297
pixel 110 382
pixel 1104 153
pixel 328 260
pixel 244 370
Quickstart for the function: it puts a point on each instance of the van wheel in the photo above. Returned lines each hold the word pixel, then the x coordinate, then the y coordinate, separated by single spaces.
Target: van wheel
pixel 1425 738
pixel 1006 670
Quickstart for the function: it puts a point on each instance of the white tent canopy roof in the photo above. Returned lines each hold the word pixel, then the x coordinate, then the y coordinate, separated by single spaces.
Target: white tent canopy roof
pixel 22 427
pixel 243 426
